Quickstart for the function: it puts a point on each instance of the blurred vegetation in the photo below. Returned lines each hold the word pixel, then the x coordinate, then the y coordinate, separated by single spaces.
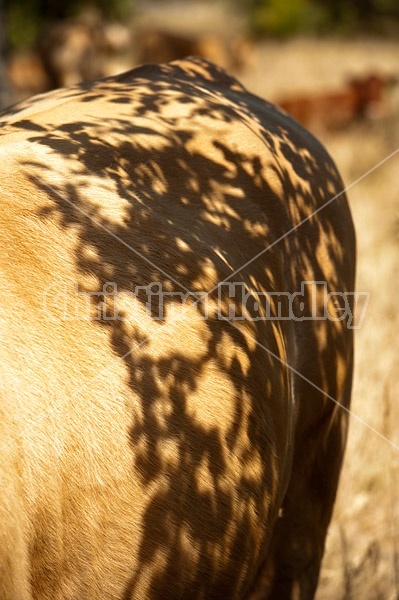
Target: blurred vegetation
pixel 287 17
pixel 25 19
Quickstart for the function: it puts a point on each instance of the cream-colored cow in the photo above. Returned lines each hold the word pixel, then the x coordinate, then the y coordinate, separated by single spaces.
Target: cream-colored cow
pixel 153 445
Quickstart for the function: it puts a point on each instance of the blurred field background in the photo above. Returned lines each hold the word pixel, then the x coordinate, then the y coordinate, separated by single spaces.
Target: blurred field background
pixel 335 65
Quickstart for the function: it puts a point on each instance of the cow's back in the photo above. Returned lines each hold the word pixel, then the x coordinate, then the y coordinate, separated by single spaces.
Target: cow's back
pixel 147 453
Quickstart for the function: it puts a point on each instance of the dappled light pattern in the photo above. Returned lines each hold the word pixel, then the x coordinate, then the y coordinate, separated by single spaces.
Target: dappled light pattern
pixel 183 438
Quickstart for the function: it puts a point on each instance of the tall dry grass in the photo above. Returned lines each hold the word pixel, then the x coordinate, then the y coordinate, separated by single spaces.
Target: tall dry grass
pixel 362 553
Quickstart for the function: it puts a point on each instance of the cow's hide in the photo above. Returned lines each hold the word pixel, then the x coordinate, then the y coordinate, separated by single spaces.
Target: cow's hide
pixel 155 446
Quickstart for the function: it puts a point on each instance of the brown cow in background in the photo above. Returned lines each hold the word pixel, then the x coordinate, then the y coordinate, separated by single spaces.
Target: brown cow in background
pixel 362 97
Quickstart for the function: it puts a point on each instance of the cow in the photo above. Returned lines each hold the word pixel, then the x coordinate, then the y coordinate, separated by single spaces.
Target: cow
pixel 173 410
pixel 360 98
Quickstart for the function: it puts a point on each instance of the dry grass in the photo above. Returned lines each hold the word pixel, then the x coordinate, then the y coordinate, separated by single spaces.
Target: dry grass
pixel 362 548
